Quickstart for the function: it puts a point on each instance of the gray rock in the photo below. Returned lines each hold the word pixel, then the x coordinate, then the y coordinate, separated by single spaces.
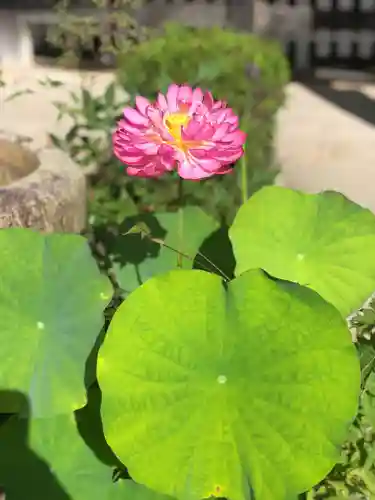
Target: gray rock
pixel 43 190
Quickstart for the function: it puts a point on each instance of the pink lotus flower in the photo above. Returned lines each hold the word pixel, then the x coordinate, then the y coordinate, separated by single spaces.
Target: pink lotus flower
pixel 184 129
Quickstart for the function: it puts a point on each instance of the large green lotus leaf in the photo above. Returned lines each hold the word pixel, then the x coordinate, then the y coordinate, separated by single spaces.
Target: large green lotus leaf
pixel 52 297
pixel 183 232
pixel 134 491
pixel 323 241
pixel 235 393
pixel 50 460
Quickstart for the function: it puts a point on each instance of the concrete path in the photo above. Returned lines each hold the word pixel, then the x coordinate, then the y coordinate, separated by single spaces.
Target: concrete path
pixel 322 145
pixel 34 113
pixel 325 138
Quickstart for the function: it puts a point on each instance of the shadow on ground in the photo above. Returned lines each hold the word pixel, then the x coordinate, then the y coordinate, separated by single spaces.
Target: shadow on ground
pixel 350 99
pixel 23 474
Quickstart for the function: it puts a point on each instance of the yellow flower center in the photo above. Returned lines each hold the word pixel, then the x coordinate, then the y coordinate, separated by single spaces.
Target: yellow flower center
pixel 174 123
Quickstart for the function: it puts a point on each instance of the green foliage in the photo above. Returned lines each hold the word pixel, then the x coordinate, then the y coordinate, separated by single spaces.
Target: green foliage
pixel 88 141
pixel 354 476
pixel 76 35
pixel 240 388
pixel 52 296
pixel 218 401
pixel 244 70
pixel 364 321
pixel 323 241
pixel 174 238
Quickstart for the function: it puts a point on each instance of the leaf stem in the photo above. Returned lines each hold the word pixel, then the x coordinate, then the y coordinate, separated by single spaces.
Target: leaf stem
pixel 189 257
pixel 248 113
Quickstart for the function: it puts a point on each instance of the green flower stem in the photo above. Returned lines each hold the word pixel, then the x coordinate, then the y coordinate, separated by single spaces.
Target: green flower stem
pixel 244 126
pixel 180 222
pixel 244 181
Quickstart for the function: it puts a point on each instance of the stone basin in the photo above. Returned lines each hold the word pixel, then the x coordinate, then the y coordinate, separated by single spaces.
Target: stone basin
pixel 40 189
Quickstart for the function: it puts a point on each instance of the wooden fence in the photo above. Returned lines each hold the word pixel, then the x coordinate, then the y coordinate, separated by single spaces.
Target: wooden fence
pixel 336 33
pixel 343 33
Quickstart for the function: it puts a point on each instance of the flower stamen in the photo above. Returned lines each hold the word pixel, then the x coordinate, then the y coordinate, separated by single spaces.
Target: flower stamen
pixel 174 123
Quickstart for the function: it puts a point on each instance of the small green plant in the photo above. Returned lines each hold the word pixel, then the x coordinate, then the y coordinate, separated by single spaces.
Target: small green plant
pixel 102 31
pixel 199 382
pixel 354 475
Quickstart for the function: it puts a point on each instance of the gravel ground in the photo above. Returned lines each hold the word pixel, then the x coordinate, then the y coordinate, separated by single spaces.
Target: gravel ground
pixel 319 144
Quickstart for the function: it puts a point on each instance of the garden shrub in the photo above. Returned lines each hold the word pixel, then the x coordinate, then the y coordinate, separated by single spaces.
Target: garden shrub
pixel 244 70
